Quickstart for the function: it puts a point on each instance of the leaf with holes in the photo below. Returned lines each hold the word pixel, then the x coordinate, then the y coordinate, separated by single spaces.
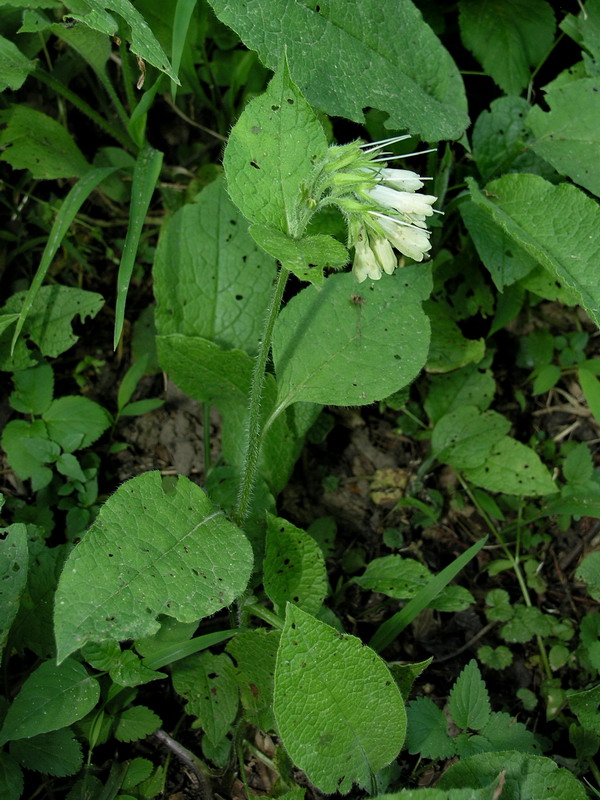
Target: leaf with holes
pixel 155 548
pixel 513 468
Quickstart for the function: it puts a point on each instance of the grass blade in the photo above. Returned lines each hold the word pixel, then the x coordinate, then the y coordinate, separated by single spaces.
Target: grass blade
pixel 66 214
pixel 145 175
pixel 181 24
pixel 391 628
pixel 174 651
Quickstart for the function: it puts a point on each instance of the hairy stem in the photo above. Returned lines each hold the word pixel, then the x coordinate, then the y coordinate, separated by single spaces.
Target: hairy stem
pixel 253 429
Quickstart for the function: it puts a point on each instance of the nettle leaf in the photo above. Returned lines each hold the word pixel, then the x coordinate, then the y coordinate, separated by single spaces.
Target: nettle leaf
pixel 14 66
pixel 143 41
pixel 556 225
pixel 428 730
pixel 34 141
pixel 394 576
pixel 207 683
pixel 512 468
pixel 568 135
pixel 501 140
pixel 302 256
pixel 294 567
pixel 254 653
pixel 136 723
pixel 52 697
pixel 210 278
pixel 348 56
pixel 55 753
pixel 14 561
pixel 34 389
pixel 467 386
pixel 272 150
pixel 532 776
pixel 362 343
pixel 464 437
pixel 48 323
pixel 155 548
pixel 508 38
pixel 11 778
pixel 75 422
pixel 28 448
pixel 339 712
pixel 469 702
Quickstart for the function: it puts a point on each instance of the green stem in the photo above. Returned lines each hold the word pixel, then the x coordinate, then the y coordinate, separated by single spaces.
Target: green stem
pixel 75 100
pixel 263 613
pixel 206 438
pixel 127 75
pixel 253 430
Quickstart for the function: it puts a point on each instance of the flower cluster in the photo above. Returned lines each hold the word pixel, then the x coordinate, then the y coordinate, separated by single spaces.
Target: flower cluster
pixel 382 207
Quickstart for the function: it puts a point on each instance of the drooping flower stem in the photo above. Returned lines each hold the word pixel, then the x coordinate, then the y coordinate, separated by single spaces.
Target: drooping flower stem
pixel 253 438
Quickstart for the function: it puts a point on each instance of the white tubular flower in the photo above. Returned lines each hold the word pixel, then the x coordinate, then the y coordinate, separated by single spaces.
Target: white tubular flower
pixel 412 242
pixel 384 254
pixel 365 262
pixel 401 179
pixel 408 203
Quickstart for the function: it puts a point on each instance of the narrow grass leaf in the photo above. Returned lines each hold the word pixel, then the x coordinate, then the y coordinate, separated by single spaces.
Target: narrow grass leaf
pixel 393 627
pixel 145 174
pixel 181 23
pixel 69 208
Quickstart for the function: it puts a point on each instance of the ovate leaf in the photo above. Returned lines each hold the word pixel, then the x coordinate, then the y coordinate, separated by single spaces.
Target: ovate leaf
pixel 14 559
pixel 469 702
pixel 357 54
pixel 428 730
pixel 154 549
pixel 556 225
pixel 51 698
pixel 14 66
pixel 254 653
pixel 362 344
pixel 136 723
pixel 464 437
pixel 395 576
pixel 339 712
pixel 513 468
pixel 40 144
pixel 272 150
pixel 56 753
pixel 75 422
pixel 11 778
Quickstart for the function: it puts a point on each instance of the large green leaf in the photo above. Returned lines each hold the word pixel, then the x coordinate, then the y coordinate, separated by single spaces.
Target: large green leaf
pixel 464 437
pixel 55 753
pixel 14 559
pixel 210 278
pixel 52 697
pixel 40 144
pixel 350 345
pixel 339 712
pixel 272 150
pixel 11 778
pixel 357 54
pixel 556 225
pixel 513 468
pixel 254 653
pixel 154 549
pixel 568 135
pixel 508 38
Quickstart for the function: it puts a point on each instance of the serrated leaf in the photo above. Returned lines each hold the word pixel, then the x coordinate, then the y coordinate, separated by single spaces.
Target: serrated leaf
pixel 469 702
pixel 527 622
pixel 206 681
pixel 28 449
pixel 532 776
pixel 14 66
pixel 508 38
pixel 568 135
pixel 361 344
pixel 406 674
pixel 143 41
pixel 449 349
pixel 271 152
pixel 14 562
pixel 40 144
pixel 394 576
pixel 495 657
pixel 11 778
pixel 76 422
pixel 306 257
pixel 339 712
pixel 210 279
pixel 428 730
pixel 154 549
pixel 48 323
pixel 138 770
pixel 136 723
pixel 52 697
pixel 294 568
pixel 467 386
pixel 591 390
pixel 55 753
pixel 556 225
pixel 347 57
pixel 254 653
pixel 34 389
pixel 464 437
pixel 512 468
pixel 504 732
pixel 588 571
